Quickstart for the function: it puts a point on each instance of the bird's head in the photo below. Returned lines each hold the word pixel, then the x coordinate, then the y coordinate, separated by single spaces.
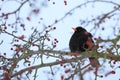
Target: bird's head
pixel 79 29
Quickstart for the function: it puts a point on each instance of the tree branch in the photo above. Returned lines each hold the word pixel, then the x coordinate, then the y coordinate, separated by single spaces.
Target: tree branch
pixel 45 65
pixel 18 9
pixel 85 3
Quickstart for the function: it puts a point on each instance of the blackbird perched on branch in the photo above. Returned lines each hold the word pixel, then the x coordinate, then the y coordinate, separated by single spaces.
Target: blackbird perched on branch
pixel 81 41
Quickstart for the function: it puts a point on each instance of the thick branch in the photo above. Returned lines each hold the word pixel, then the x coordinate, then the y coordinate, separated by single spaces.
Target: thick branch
pixel 85 54
pixel 45 65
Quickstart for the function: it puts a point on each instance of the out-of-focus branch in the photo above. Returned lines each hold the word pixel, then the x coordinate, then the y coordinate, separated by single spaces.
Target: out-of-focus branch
pixel 102 17
pixel 87 2
pixel 107 15
pixel 18 9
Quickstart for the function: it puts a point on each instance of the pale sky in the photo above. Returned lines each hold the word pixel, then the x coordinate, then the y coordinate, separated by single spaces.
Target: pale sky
pixel 63 30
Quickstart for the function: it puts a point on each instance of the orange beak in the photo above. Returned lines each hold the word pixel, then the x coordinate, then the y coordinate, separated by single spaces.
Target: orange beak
pixel 74 28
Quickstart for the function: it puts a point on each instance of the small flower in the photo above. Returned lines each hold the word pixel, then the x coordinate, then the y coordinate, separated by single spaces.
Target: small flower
pixel 28 18
pixel 21 37
pixel 54 27
pixel 103 28
pixel 65 2
pixel 67 71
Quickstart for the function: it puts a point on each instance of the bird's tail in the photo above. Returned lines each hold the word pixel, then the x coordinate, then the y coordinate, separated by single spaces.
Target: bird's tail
pixel 94 62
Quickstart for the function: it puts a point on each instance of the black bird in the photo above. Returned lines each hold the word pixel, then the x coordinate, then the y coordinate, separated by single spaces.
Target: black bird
pixel 82 40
